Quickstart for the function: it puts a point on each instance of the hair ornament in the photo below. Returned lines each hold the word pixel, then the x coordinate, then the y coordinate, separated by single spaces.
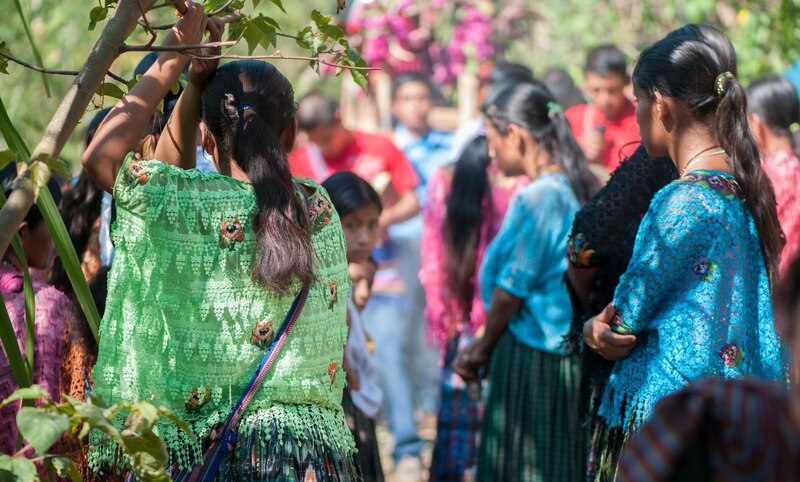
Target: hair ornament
pixel 553 109
pixel 722 82
pixel 794 127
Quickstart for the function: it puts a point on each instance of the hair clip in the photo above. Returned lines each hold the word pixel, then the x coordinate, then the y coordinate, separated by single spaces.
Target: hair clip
pixel 553 109
pixel 243 108
pixel 722 82
pixel 794 127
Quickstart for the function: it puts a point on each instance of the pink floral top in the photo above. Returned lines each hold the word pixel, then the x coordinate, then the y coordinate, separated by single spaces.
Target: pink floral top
pixel 52 309
pixel 442 310
pixel 783 169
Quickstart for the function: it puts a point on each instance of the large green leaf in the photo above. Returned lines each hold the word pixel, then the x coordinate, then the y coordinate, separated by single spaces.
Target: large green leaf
pixel 66 468
pixel 33 392
pixel 36 53
pixel 41 429
pixel 17 469
pixel 11 136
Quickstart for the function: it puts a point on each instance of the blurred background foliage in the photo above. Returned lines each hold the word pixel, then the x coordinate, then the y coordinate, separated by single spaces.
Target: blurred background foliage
pixel 538 34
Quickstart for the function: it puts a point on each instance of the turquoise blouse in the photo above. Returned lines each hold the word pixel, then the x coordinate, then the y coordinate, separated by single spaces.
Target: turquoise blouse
pixel 697 296
pixel 527 259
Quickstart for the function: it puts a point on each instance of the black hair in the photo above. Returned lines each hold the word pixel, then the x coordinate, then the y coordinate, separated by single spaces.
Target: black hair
pixel 408 77
pixel 714 38
pixel 7 176
pixel 247 106
pixel 509 71
pixel 561 85
pixel 463 218
pixel 171 98
pixel 686 69
pixel 532 107
pixel 606 60
pixel 315 109
pixel 774 99
pixel 349 193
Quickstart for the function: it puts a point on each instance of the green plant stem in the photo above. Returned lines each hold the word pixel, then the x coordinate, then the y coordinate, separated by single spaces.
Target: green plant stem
pixel 36 53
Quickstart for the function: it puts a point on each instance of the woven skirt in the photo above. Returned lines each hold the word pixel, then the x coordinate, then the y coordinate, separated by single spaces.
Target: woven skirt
pixel 363 429
pixel 532 428
pixel 458 424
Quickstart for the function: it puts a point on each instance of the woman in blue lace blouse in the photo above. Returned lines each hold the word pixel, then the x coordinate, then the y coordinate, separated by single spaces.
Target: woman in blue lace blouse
pixel 695 300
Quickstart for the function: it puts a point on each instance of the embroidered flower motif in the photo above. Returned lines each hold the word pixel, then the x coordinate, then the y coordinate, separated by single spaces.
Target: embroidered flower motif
pixel 734 188
pixel 716 182
pixel 618 326
pixel 263 334
pixel 578 252
pixel 332 367
pixel 139 171
pixel 704 267
pixel 321 210
pixel 732 355
pixel 332 292
pixel 195 403
pixel 232 230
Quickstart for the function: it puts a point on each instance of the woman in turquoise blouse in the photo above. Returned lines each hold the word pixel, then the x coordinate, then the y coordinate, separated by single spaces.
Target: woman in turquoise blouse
pixel 695 300
pixel 531 428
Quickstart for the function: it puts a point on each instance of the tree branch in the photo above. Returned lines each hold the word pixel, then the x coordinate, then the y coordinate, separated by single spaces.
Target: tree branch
pixel 52 71
pixel 153 34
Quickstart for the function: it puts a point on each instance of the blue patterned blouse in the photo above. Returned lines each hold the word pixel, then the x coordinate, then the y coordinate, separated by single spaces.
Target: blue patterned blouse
pixel 526 258
pixel 697 296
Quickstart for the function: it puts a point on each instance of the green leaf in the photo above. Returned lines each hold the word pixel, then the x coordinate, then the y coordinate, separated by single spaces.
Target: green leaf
pixel 111 90
pixel 40 175
pixel 55 164
pixel 11 136
pixel 255 4
pixel 19 365
pixel 66 468
pixel 6 157
pixel 253 38
pixel 17 469
pixel 28 296
pixel 279 4
pixel 360 78
pixel 41 429
pixel 33 392
pixel 147 455
pixel 166 413
pixel 267 30
pixel 3 60
pixel 66 250
pixel 320 19
pixel 97 14
pixel 332 31
pixel 301 37
pixel 36 54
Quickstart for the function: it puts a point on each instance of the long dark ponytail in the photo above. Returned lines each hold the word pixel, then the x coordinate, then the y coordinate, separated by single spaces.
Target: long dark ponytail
pixel 774 99
pixel 463 217
pixel 694 72
pixel 531 106
pixel 247 106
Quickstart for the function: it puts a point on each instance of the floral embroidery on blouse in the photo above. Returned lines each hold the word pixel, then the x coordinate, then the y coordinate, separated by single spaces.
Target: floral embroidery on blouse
pixel 704 267
pixel 263 334
pixel 579 253
pixel 195 403
pixel 732 355
pixel 332 367
pixel 321 211
pixel 139 171
pixel 232 230
pixel 724 185
pixel 619 326
pixel 332 293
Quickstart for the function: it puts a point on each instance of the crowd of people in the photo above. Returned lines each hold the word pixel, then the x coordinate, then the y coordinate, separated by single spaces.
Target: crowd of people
pixel 575 287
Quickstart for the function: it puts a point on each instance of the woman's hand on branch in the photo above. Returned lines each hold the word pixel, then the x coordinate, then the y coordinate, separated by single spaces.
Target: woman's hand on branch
pixel 190 28
pixel 201 69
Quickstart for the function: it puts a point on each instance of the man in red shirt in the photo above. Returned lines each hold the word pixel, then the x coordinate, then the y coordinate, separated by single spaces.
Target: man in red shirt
pixel 334 148
pixel 606 128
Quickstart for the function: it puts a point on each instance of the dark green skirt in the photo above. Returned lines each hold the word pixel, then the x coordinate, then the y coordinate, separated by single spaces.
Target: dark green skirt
pixel 532 428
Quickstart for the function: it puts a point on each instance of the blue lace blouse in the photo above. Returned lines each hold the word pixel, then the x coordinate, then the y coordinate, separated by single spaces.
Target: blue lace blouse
pixel 697 296
pixel 526 258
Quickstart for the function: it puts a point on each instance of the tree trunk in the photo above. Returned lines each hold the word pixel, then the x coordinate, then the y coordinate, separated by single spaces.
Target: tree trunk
pixel 72 108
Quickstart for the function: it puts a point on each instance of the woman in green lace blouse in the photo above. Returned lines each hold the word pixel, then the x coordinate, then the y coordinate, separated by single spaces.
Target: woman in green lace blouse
pixel 207 266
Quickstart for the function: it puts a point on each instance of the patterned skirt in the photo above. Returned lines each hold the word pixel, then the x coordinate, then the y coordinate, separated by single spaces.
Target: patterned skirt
pixel 363 428
pixel 605 450
pixel 458 425
pixel 532 428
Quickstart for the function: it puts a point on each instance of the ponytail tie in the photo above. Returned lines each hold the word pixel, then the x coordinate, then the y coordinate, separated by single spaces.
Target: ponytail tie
pixel 722 83
pixel 794 127
pixel 243 108
pixel 553 109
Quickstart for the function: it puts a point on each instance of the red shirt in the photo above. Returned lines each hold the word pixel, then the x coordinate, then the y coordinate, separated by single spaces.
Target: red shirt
pixel 621 136
pixel 369 156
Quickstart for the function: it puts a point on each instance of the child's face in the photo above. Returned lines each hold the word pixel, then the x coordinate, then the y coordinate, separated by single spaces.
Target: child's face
pixel 361 231
pixel 38 245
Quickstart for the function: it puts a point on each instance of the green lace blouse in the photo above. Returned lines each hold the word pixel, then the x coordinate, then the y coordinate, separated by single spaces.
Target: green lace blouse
pixel 186 326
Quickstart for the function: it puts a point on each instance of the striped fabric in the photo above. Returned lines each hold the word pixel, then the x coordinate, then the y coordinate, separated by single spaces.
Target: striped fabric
pixel 363 429
pixel 715 429
pixel 532 428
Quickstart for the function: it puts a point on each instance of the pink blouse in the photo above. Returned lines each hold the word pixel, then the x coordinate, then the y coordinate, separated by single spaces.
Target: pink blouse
pixel 52 309
pixel 783 169
pixel 442 309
